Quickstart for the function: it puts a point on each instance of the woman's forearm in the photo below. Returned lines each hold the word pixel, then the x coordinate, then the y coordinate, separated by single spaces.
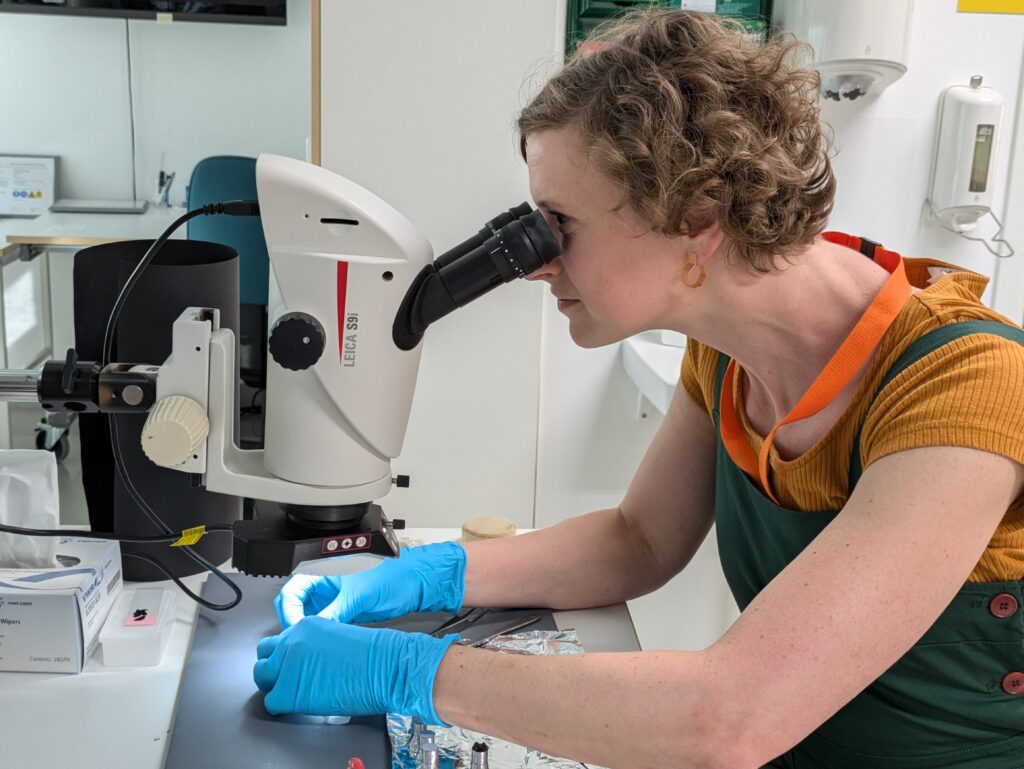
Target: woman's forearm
pixel 647 710
pixel 591 560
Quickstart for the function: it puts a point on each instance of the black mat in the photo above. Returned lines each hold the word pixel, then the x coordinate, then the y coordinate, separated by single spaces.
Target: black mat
pixel 220 722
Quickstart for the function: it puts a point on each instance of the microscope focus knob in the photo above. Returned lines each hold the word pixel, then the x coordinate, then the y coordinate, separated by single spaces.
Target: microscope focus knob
pixel 297 341
pixel 175 428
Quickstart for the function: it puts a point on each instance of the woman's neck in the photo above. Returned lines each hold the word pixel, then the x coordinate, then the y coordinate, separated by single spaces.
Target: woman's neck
pixel 783 328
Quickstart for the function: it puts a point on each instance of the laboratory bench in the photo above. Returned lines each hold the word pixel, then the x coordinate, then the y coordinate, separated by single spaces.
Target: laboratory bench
pixel 122 717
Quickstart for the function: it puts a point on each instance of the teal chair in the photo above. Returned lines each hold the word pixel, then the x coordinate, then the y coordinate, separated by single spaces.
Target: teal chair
pixel 229 177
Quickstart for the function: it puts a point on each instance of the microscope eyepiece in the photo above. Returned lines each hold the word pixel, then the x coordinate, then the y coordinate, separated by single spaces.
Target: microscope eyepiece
pixel 543 245
pixel 512 245
pixel 488 230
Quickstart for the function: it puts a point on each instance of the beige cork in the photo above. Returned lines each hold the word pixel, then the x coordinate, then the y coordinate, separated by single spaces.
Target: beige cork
pixel 487 527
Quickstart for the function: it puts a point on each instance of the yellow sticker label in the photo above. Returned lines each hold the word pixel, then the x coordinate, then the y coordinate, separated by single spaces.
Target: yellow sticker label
pixel 990 6
pixel 190 536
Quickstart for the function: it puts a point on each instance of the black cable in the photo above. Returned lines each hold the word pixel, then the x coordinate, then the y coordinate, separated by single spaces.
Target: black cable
pixel 232 207
pixel 122 297
pixel 131 106
pixel 156 521
pixel 252 408
pixel 198 599
pixel 140 539
pixel 130 538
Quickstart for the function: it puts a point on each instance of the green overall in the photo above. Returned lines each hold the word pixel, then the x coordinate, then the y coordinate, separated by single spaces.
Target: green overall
pixel 956 699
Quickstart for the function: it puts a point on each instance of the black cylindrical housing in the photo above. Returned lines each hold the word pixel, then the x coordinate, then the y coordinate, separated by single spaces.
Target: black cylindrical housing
pixel 517 249
pixel 453 254
pixel 474 274
pixel 184 273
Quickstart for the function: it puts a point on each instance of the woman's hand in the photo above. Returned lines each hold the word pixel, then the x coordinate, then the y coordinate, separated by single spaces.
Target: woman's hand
pixel 320 667
pixel 427 578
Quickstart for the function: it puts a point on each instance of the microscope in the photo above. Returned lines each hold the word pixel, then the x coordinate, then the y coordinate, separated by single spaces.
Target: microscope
pixel 357 287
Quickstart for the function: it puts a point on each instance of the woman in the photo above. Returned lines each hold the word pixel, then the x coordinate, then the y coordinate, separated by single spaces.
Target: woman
pixel 852 421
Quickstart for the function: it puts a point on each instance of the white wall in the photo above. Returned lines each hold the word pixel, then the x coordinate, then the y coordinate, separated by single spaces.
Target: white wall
pixel 199 89
pixel 418 106
pixel 1008 293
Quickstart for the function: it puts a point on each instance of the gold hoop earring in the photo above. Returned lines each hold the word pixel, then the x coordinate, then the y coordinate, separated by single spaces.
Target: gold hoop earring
pixel 691 262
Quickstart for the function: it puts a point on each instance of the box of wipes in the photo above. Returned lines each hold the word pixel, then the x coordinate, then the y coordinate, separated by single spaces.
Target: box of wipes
pixel 50 618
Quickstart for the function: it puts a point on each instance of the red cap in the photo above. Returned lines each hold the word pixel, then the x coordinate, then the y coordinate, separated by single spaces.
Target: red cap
pixel 355 763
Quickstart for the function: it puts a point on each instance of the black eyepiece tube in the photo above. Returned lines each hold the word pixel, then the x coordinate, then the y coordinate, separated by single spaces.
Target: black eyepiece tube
pixel 486 232
pixel 513 250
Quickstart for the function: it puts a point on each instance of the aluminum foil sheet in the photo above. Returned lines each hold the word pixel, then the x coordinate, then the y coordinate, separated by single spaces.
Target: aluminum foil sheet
pixel 454 743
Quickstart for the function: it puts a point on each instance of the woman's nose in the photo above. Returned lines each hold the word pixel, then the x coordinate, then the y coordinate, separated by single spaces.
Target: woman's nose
pixel 548 272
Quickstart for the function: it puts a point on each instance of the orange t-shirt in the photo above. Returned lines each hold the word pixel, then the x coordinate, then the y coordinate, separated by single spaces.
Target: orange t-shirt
pixel 967 393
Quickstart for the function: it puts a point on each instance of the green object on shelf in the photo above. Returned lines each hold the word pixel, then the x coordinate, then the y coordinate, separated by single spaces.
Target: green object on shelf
pixel 755 28
pixel 747 9
pixel 584 15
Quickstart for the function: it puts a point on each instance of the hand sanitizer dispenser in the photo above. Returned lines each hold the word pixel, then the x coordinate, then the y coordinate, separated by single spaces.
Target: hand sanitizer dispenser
pixel 963 169
pixel 963 175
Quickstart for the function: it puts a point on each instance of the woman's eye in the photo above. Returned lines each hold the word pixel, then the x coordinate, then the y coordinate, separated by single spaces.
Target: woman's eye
pixel 560 221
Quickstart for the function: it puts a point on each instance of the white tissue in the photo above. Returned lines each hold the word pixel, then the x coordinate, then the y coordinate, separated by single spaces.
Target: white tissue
pixel 28 498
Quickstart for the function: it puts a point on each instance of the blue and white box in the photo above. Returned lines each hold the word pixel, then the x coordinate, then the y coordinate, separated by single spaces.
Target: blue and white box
pixel 50 619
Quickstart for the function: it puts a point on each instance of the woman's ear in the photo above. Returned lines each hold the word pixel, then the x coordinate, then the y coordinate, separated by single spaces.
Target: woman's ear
pixel 706 242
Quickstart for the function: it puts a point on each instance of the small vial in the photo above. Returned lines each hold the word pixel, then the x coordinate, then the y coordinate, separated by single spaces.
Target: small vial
pixel 429 758
pixel 427 737
pixel 478 756
pixel 414 737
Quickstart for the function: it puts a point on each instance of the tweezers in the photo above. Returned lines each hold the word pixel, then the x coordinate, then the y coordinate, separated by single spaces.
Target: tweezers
pixel 506 629
pixel 458 623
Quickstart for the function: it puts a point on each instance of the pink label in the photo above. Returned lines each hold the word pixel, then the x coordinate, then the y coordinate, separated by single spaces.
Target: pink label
pixel 140 618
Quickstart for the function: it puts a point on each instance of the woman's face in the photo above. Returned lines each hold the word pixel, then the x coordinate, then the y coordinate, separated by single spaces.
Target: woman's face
pixel 615 276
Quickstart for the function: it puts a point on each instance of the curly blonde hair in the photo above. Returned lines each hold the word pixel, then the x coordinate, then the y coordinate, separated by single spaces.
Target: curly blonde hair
pixel 695 121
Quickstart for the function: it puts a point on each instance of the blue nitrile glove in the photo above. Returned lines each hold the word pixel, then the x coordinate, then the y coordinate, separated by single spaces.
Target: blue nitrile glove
pixel 426 578
pixel 323 668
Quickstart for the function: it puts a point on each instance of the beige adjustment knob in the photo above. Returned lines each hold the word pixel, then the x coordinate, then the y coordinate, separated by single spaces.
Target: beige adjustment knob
pixel 175 428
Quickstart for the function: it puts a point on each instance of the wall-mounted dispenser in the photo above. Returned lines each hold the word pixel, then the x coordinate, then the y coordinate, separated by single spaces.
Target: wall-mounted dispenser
pixel 860 47
pixel 963 168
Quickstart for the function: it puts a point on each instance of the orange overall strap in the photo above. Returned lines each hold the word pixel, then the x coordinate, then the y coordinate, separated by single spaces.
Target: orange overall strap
pixel 845 363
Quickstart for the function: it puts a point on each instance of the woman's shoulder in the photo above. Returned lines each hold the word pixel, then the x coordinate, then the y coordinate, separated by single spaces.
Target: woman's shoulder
pixel 946 292
pixel 964 391
pixel 947 295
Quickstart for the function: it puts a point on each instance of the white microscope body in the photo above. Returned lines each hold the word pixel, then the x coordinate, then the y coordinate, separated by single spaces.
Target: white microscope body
pixel 339 391
pixel 357 287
